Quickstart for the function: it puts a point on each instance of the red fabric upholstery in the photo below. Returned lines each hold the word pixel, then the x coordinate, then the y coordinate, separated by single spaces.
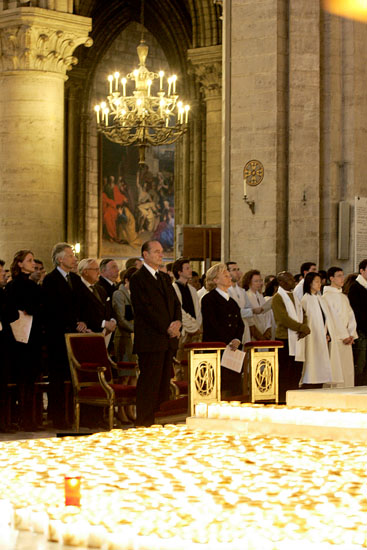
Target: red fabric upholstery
pixel 182 385
pixel 126 364
pixel 264 344
pixel 175 405
pixel 89 350
pixel 205 345
pixel 120 391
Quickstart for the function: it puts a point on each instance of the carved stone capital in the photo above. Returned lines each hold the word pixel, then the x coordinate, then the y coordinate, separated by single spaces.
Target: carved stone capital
pixel 206 65
pixel 41 40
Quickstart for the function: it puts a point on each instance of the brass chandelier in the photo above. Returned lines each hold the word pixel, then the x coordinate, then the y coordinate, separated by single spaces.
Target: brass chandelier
pixel 145 118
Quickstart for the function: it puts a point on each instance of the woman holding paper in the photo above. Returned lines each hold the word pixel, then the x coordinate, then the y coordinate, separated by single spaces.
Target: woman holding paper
pixel 24 295
pixel 222 322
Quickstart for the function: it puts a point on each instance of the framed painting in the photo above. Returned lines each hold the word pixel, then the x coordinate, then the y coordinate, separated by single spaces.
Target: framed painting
pixel 136 203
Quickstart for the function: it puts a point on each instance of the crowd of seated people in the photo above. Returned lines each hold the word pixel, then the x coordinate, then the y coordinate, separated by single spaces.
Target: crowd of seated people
pixel 321 321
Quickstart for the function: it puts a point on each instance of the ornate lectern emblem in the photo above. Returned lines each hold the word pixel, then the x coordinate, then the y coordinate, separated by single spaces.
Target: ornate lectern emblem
pixel 204 378
pixel 264 375
pixel 253 172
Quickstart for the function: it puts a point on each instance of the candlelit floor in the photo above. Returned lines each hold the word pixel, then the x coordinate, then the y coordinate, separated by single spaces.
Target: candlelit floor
pixel 175 488
pixel 331 398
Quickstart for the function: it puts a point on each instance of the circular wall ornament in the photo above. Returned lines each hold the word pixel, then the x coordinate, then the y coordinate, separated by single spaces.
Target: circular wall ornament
pixel 253 172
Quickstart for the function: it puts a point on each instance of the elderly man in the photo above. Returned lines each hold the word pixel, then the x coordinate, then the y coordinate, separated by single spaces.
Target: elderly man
pixel 109 272
pixel 157 317
pixel 96 306
pixel 291 329
pixel 61 297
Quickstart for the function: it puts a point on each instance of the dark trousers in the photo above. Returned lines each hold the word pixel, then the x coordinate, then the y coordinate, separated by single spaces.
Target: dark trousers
pixel 360 359
pixel 290 372
pixel 153 386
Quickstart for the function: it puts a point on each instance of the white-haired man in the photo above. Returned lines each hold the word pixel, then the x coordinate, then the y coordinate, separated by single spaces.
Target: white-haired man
pixel 61 291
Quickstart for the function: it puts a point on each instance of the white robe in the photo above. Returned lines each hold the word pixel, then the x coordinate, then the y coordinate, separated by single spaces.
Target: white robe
pixel 262 321
pixel 317 365
pixel 341 324
pixel 239 295
pixel 190 324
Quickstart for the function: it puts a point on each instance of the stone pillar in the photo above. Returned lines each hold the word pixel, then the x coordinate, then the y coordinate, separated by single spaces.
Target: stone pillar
pixel 207 66
pixel 256 102
pixel 36 47
pixel 304 133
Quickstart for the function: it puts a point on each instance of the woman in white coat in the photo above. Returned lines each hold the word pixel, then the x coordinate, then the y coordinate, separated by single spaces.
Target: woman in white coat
pixel 317 366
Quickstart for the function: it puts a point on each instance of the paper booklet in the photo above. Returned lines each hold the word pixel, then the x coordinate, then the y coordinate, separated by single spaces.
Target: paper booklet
pixel 22 327
pixel 233 360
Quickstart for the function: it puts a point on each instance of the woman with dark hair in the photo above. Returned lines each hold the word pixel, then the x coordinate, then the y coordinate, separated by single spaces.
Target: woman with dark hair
pixel 24 295
pixel 317 366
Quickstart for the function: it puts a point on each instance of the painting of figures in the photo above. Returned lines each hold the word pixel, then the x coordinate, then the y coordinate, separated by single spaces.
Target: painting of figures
pixel 137 202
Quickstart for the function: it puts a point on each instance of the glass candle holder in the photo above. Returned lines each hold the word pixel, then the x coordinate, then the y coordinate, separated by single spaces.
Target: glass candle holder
pixel 72 490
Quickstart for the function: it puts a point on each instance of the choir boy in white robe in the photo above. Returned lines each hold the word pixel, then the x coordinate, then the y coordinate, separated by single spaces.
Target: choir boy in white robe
pixel 316 367
pixel 342 328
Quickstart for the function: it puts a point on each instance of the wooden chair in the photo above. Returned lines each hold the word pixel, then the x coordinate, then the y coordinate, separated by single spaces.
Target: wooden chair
pixel 91 375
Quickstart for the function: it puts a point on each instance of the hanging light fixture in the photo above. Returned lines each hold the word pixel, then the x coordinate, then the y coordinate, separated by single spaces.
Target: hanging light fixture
pixel 352 9
pixel 144 118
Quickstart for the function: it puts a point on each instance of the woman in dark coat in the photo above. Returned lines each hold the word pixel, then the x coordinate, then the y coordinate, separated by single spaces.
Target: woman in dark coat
pixel 222 322
pixel 24 295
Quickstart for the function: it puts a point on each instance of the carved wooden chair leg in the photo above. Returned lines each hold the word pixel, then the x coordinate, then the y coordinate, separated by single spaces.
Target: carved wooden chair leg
pixel 77 416
pixel 110 416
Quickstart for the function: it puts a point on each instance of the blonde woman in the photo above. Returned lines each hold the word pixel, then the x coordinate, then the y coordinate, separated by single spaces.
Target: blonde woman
pixel 222 322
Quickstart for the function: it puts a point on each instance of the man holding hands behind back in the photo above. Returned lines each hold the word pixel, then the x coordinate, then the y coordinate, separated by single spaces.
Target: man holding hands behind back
pixel 157 318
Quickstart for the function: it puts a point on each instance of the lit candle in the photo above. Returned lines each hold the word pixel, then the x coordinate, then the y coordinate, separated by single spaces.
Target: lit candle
pixel 174 78
pixel 161 75
pixel 72 490
pixel 187 109
pixel 97 108
pixel 244 187
pixel 110 80
pixel 106 111
pixel 161 106
pixel 123 82
pixel 169 85
pixel 149 82
pixel 116 75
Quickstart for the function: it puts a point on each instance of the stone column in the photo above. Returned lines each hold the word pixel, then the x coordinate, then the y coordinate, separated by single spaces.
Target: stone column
pixel 36 47
pixel 256 102
pixel 207 66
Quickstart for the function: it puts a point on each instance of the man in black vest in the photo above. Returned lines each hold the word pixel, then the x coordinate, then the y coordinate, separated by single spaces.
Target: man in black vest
pixel 157 317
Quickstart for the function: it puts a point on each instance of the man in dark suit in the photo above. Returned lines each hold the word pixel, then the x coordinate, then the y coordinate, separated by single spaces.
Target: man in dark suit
pixel 157 317
pixel 95 304
pixel 61 291
pixel 109 272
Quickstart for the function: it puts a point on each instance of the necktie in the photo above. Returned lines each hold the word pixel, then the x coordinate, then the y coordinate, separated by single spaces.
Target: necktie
pixel 160 281
pixel 68 280
pixel 95 292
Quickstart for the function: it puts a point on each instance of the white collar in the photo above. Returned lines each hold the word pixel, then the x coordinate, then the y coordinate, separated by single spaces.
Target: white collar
pixel 362 281
pixel 224 294
pixel 105 278
pixel 63 273
pixel 87 284
pixel 328 289
pixel 151 270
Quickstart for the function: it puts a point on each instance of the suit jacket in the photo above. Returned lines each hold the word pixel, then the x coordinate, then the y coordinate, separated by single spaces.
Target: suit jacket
pixel 94 310
pixel 107 287
pixel 61 304
pixel 154 310
pixel 222 321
